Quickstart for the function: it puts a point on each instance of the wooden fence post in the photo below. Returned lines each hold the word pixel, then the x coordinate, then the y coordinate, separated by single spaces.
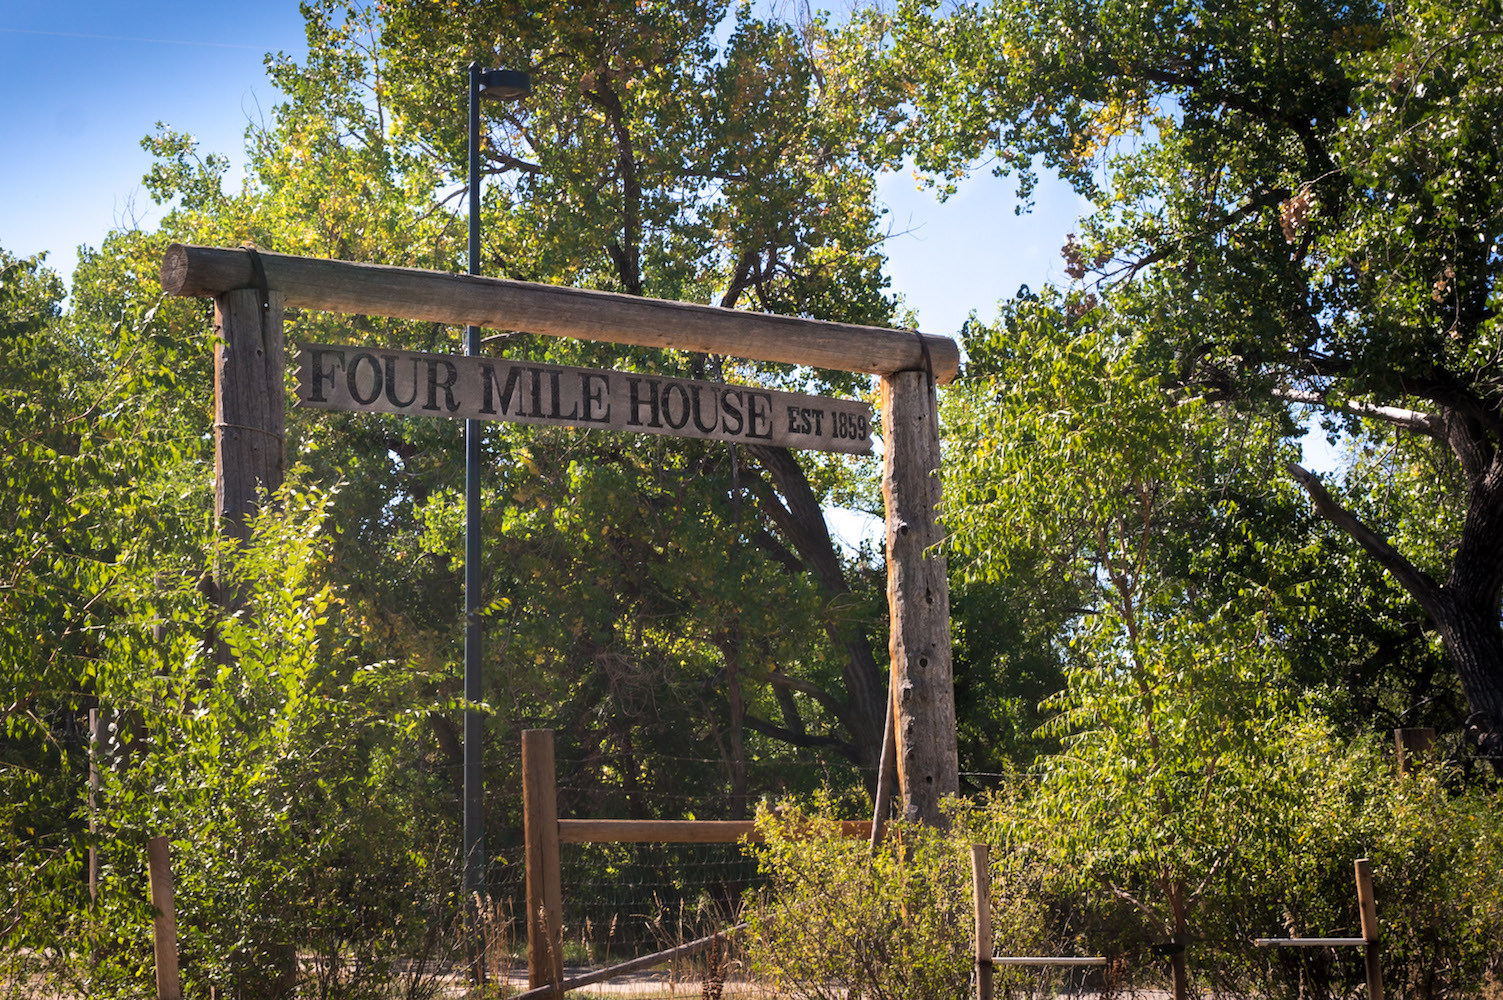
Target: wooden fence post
pixel 545 957
pixel 981 883
pixel 96 749
pixel 918 598
pixel 1369 907
pixel 250 457
pixel 1413 747
pixel 164 919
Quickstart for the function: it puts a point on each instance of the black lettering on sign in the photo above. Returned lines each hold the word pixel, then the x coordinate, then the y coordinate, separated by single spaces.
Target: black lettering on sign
pixel 391 383
pixel 445 385
pixel 672 391
pixel 491 386
pixel 731 412
pixel 593 387
pixel 759 415
pixel 700 390
pixel 634 419
pixel 323 376
pixel 374 364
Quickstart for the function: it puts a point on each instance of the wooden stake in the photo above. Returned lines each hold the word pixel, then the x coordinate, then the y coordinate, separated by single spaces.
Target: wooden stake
pixel 499 304
pixel 1413 747
pixel 1369 907
pixel 981 883
pixel 545 956
pixel 96 748
pixel 918 599
pixel 164 921
pixel 886 773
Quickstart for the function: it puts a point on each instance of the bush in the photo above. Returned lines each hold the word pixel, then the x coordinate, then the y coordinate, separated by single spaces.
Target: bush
pixel 838 921
pixel 288 772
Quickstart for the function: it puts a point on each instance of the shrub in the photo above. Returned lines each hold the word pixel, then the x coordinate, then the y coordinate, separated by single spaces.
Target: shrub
pixel 840 921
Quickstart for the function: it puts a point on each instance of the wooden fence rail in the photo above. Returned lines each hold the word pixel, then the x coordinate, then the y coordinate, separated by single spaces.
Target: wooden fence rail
pixel 1367 904
pixel 543 832
pixel 981 886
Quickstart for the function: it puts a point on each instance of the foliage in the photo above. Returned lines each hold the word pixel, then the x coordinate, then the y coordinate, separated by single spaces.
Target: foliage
pixel 1301 208
pixel 842 920
pixel 1262 816
pixel 1193 650
pixel 650 599
pixel 86 435
pixel 680 151
pixel 1296 809
pixel 280 765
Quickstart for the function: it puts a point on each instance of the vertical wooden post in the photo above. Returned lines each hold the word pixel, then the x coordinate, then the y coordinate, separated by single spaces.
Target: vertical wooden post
pixel 1369 907
pixel 249 405
pixel 918 598
pixel 981 883
pixel 96 748
pixel 164 921
pixel 545 956
pixel 250 458
pixel 1413 746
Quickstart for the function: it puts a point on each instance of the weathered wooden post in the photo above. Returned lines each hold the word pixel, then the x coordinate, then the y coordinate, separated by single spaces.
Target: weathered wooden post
pixel 918 598
pixel 1413 747
pixel 164 919
pixel 981 886
pixel 1368 904
pixel 249 406
pixel 249 454
pixel 545 957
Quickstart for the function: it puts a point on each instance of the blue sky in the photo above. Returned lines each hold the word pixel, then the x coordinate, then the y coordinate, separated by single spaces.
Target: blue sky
pixel 85 81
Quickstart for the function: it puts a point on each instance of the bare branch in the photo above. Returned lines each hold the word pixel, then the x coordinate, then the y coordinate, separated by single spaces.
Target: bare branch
pixel 1413 420
pixel 781 680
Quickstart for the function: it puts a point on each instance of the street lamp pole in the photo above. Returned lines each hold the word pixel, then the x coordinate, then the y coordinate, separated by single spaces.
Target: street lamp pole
pixel 506 85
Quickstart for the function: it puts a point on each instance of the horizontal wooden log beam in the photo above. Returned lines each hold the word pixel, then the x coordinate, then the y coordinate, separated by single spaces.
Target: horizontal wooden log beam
pixel 500 304
pixel 1047 960
pixel 675 831
pixel 1313 942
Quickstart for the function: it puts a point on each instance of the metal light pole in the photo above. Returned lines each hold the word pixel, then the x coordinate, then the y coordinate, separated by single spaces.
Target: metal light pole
pixel 510 86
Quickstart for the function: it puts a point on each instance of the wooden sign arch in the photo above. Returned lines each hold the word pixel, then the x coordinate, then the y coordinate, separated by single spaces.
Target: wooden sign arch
pixel 251 288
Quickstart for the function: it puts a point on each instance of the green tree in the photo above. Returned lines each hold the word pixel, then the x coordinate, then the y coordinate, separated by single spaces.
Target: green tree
pixel 611 614
pixel 652 158
pixel 1304 201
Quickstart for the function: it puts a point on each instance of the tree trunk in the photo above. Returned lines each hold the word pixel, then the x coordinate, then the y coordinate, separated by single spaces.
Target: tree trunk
pixel 1464 610
pixel 1474 645
pixel 1179 965
pixel 802 520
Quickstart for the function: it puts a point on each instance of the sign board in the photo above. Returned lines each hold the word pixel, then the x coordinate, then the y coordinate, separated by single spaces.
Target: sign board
pixel 376 380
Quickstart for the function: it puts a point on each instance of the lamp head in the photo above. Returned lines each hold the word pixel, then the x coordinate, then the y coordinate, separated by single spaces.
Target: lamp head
pixel 505 84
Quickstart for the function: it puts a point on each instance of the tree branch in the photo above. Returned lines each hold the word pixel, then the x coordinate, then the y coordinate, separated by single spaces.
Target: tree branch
pixel 1418 583
pixel 778 679
pixel 1412 420
pixel 1316 155
pixel 806 740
